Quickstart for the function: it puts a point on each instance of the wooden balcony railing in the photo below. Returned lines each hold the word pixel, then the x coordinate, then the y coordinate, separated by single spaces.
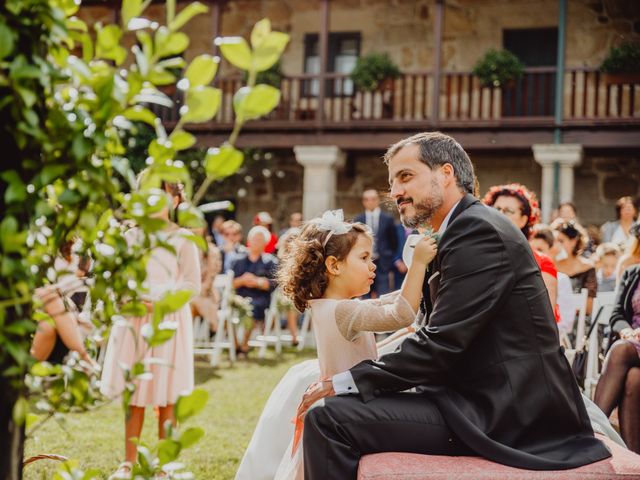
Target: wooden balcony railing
pixel 589 96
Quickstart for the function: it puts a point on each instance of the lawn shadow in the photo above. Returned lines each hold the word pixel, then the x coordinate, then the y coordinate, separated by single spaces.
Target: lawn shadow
pixel 203 372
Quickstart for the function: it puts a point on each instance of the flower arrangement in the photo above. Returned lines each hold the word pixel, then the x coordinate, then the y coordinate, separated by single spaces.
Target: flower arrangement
pixel 526 197
pixel 241 310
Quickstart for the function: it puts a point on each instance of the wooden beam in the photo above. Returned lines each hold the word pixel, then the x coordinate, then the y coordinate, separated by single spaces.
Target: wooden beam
pixel 437 60
pixel 323 41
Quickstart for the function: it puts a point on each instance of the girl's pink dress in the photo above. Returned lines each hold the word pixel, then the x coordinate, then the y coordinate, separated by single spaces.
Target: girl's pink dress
pixel 171 364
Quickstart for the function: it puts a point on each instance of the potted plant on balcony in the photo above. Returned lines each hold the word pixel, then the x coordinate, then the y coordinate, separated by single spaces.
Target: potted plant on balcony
pixel 622 64
pixel 374 71
pixel 498 68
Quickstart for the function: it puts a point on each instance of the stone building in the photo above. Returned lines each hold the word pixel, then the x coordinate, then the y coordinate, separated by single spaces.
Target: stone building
pixel 584 147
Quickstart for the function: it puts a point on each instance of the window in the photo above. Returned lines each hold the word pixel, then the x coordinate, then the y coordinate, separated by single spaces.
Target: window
pixel 344 49
pixel 534 93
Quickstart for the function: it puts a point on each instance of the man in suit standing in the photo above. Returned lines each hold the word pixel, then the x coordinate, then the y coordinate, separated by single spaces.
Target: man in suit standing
pixel 386 240
pixel 491 378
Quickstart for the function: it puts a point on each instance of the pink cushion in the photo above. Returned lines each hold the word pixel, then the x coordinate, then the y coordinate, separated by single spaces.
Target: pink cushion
pixel 624 464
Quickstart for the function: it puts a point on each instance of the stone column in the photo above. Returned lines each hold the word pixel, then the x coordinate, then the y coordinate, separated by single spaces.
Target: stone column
pixel 567 155
pixel 320 177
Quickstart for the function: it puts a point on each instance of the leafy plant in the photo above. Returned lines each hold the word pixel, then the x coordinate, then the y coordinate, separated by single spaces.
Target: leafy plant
pixel 373 69
pixel 497 68
pixel 622 59
pixel 67 98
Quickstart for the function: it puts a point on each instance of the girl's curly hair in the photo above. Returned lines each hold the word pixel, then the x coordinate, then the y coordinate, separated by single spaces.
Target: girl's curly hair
pixel 302 273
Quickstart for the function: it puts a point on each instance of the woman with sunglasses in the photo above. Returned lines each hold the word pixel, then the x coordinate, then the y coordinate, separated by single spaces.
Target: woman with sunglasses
pixel 520 205
pixel 581 271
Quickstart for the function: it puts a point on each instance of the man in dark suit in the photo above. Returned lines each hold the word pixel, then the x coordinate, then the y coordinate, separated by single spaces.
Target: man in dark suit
pixel 490 376
pixel 386 240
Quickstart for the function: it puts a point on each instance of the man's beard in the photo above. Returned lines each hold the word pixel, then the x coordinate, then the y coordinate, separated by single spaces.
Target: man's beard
pixel 425 209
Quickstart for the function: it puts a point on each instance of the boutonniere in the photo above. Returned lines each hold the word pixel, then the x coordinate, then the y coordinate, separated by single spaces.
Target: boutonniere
pixel 412 240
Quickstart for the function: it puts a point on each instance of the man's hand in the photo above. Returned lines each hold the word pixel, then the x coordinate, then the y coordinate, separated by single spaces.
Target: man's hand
pixel 314 392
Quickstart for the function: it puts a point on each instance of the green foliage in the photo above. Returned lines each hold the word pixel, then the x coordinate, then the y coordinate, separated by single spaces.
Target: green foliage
pixel 70 103
pixel 497 68
pixel 622 59
pixel 373 69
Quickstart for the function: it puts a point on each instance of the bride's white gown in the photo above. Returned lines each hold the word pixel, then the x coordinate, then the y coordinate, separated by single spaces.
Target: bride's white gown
pixel 268 455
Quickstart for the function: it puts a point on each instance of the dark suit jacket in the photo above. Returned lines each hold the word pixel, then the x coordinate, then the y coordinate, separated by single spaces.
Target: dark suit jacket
pixel 490 354
pixel 386 239
pixel 622 314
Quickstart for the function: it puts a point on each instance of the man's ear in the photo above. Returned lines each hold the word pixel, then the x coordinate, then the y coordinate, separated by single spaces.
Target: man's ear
pixel 332 264
pixel 448 173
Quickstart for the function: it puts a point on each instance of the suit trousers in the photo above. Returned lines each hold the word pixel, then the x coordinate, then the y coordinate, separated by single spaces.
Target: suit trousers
pixel 345 428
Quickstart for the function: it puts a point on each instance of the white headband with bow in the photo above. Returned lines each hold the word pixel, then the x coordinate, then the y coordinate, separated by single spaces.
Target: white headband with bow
pixel 333 222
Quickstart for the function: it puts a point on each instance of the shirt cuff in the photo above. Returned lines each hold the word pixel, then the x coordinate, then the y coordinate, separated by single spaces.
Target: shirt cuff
pixel 343 383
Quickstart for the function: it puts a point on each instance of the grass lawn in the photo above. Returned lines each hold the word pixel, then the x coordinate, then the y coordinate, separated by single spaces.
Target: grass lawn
pixel 236 397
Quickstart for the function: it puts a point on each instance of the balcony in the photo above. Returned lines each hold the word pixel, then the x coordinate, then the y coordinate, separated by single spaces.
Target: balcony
pixel 592 105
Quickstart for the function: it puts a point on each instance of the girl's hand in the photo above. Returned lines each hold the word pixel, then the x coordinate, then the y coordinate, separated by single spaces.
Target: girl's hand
pixel 627 333
pixel 425 250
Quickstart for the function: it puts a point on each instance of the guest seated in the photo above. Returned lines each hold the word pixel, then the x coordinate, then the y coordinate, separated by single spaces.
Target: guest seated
pixel 607 256
pixel 580 270
pixel 632 255
pixel 619 231
pixel 254 274
pixel 544 240
pixel 619 384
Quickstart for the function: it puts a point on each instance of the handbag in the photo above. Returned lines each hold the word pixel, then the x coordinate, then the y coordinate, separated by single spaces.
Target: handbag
pixel 579 365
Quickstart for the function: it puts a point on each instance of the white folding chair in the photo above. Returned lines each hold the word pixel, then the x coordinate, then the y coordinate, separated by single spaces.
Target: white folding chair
pixel 601 312
pixel 224 337
pixel 305 335
pixel 272 334
pixel 579 302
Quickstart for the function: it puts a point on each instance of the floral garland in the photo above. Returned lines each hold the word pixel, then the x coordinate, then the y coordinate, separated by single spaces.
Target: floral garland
pixel 241 310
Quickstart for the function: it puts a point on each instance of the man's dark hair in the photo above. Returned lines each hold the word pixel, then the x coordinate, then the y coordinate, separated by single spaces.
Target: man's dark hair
pixel 436 149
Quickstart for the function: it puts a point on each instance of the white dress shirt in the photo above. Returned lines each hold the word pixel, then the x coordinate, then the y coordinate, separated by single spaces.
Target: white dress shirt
pixel 343 383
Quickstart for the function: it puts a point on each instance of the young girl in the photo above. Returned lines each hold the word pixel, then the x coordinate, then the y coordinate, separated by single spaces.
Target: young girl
pixel 328 265
pixel 172 368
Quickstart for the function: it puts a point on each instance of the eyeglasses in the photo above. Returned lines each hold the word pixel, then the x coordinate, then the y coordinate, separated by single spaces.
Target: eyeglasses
pixel 506 210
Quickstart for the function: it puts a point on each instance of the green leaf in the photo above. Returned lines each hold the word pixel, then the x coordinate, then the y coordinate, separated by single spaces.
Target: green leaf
pixel 70 7
pixel 74 23
pixel 108 44
pixel 168 450
pixel 51 172
pixel 190 217
pixel 202 70
pixel 169 44
pixel 173 301
pixel 200 242
pixel 253 102
pixel 20 409
pixel 260 31
pixel 7 40
pixel 160 76
pixel 17 190
pixel 131 9
pixel 191 436
pixel 44 369
pixel 188 406
pixel 140 114
pixel 222 162
pixel 201 104
pixel 236 50
pixel 269 51
pixel 186 14
pixel 134 309
pixel 181 140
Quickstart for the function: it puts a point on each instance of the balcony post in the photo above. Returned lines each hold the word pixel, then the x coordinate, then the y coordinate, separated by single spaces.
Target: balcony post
pixel 215 21
pixel 567 156
pixel 320 177
pixel 323 40
pixel 437 60
pixel 562 25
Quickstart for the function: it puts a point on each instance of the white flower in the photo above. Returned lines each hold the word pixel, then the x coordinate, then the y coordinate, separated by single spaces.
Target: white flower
pixel 333 221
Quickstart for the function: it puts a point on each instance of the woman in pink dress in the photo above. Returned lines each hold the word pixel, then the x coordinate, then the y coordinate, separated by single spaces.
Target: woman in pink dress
pixel 169 365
